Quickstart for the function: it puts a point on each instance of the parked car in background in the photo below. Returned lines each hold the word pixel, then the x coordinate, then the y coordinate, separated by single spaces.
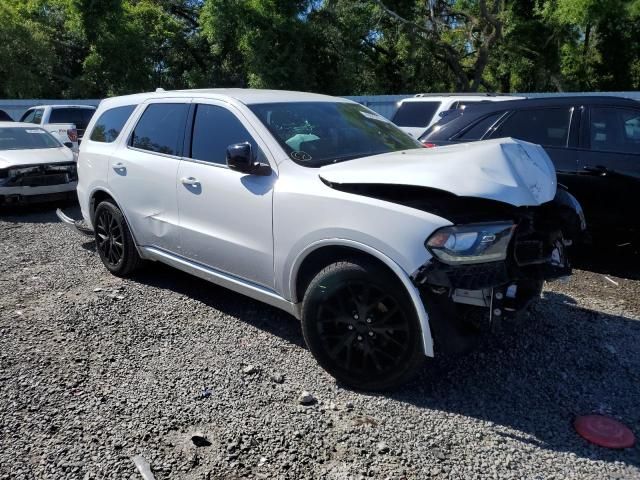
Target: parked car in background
pixel 323 208
pixel 34 166
pixel 414 115
pixel 5 117
pixel 593 141
pixel 65 122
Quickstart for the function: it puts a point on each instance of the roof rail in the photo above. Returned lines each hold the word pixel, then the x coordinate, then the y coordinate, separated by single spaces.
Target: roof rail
pixel 464 94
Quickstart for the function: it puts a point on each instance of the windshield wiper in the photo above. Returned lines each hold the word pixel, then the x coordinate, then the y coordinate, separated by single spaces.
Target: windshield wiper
pixel 354 156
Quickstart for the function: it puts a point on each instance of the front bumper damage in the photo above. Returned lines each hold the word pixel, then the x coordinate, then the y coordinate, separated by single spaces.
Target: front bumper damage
pixel 467 298
pixel 28 184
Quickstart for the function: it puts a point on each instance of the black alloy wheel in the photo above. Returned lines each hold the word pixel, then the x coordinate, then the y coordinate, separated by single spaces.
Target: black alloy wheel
pixel 361 326
pixel 114 241
pixel 109 238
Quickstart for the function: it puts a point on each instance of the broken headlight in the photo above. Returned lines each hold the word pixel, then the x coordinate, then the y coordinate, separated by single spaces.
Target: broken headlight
pixel 473 243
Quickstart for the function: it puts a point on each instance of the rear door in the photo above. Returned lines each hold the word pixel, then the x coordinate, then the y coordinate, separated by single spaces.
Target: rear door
pixel 142 172
pixel 555 128
pixel 225 215
pixel 610 166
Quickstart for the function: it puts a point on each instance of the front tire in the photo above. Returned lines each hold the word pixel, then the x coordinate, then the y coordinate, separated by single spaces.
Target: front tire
pixel 361 326
pixel 114 242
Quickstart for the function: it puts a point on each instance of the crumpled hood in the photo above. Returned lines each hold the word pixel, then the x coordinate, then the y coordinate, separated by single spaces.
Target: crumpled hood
pixel 10 158
pixel 505 170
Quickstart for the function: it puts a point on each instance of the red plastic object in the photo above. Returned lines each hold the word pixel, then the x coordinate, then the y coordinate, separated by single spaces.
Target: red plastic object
pixel 604 431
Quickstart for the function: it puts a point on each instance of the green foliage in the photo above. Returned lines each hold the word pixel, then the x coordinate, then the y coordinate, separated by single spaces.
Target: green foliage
pixel 97 48
pixel 25 64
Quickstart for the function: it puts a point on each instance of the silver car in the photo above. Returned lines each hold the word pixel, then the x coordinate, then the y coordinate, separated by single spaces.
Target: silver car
pixel 386 251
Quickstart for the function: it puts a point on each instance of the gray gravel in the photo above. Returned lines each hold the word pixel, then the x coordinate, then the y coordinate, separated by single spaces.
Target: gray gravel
pixel 206 384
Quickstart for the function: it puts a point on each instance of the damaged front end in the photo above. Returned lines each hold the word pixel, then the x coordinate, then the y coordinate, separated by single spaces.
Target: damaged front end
pixel 511 224
pixel 23 184
pixel 490 270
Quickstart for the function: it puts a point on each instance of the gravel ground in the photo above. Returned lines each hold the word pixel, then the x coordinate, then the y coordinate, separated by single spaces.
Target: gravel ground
pixel 95 370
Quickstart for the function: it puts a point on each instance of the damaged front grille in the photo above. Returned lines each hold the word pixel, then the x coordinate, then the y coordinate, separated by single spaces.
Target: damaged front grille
pixel 467 277
pixel 39 175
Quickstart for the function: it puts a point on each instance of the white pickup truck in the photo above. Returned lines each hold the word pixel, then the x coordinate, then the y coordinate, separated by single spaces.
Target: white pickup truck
pixel 66 123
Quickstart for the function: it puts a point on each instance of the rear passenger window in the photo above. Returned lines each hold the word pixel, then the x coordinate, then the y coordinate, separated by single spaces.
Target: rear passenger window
pixel 161 128
pixel 214 129
pixel 549 126
pixel 477 131
pixel 110 124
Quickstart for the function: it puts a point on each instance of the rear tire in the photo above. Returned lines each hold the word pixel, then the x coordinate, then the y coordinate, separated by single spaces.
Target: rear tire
pixel 114 241
pixel 361 326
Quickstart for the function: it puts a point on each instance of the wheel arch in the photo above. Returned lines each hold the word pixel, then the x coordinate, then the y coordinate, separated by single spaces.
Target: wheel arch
pixel 101 194
pixel 97 196
pixel 320 254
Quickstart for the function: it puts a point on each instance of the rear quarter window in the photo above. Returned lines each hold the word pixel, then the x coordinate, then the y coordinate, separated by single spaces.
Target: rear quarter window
pixel 110 124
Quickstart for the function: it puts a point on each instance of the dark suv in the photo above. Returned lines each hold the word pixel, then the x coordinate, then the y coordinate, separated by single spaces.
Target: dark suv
pixel 593 141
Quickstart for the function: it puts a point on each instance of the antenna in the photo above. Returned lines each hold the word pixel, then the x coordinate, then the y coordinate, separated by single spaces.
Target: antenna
pixel 159 89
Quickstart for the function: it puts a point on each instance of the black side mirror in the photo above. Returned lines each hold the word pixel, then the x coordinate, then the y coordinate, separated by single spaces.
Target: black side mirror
pixel 68 144
pixel 241 159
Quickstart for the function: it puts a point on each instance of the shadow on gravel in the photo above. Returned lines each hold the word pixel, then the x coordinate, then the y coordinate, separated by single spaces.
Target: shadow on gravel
pixel 39 213
pixel 270 319
pixel 525 383
pixel 536 376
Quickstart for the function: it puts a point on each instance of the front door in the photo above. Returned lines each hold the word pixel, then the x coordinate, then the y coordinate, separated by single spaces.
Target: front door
pixel 225 215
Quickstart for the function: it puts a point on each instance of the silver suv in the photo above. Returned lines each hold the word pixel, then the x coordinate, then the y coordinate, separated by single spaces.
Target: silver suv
pixel 388 252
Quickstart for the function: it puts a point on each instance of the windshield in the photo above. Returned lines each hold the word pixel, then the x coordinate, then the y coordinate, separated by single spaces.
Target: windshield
pixel 319 133
pixel 26 138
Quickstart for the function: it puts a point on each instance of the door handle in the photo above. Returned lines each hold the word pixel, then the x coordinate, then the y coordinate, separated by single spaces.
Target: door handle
pixel 596 170
pixel 118 165
pixel 190 181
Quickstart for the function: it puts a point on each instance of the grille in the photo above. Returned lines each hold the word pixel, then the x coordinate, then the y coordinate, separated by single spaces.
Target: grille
pixel 43 180
pixel 41 175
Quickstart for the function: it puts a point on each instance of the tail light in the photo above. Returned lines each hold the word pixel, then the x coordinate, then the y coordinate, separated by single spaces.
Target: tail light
pixel 428 145
pixel 72 133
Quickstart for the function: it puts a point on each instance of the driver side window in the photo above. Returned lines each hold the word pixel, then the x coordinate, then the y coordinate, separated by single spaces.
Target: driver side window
pixel 214 129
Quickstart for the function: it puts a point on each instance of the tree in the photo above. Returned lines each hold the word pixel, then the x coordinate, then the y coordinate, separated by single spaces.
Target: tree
pixel 528 57
pixel 26 65
pixel 598 41
pixel 96 48
pixel 461 34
